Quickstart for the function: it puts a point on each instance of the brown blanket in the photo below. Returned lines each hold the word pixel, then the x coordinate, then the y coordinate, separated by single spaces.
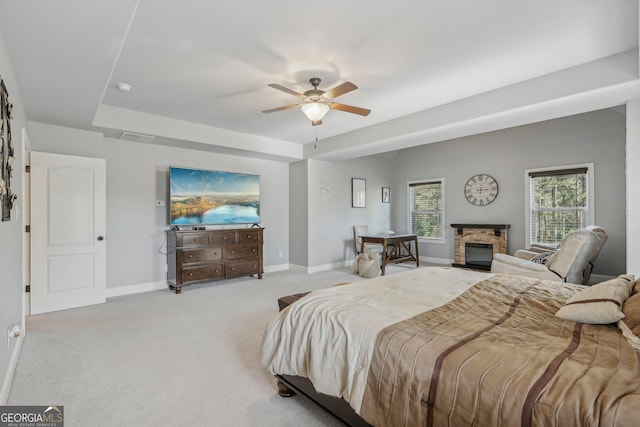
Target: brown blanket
pixel 498 356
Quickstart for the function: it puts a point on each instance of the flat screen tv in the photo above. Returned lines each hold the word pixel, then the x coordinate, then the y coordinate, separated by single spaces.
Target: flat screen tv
pixel 209 197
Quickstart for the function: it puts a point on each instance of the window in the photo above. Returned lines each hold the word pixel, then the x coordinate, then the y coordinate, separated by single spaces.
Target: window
pixel 559 202
pixel 426 208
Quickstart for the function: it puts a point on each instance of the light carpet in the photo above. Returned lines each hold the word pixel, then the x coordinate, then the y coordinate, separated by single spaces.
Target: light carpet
pixel 159 358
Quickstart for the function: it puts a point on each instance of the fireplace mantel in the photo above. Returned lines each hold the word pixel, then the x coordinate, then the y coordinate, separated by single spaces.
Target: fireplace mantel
pixel 496 227
pixel 491 234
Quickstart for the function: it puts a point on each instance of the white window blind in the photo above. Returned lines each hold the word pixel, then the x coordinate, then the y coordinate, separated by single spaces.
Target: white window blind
pixel 559 203
pixel 426 209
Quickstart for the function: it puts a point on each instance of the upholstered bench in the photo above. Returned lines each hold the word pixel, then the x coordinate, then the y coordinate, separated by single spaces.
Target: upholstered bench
pixel 289 299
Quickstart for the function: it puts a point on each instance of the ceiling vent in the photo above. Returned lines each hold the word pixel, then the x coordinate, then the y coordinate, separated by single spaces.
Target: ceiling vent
pixel 137 137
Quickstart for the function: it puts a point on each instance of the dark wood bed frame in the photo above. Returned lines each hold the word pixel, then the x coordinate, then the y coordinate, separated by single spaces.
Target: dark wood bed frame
pixel 288 385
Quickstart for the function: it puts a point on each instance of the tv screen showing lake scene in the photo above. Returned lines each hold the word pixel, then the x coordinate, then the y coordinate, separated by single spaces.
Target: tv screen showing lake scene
pixel 213 197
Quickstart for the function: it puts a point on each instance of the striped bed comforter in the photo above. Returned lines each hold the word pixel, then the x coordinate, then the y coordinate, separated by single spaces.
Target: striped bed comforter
pixel 494 355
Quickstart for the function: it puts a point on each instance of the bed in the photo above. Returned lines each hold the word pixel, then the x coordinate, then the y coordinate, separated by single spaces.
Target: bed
pixel 446 346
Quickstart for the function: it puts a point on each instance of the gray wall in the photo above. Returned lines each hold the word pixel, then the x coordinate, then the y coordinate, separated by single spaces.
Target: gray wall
pixel 597 137
pixel 11 232
pixel 298 214
pixel 331 217
pixel 137 176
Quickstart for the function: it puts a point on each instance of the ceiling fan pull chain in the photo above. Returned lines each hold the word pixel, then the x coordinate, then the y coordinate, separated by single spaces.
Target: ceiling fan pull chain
pixel 315 144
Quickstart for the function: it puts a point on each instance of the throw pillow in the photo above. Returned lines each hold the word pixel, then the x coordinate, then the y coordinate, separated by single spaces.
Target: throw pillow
pixel 542 258
pixel 631 310
pixel 598 304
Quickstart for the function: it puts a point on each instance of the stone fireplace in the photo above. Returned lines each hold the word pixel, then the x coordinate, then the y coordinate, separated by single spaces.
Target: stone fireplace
pixel 475 244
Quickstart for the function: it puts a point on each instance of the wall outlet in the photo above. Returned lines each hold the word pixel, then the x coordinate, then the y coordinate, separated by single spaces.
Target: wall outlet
pixel 280 254
pixel 166 268
pixel 159 202
pixel 13 331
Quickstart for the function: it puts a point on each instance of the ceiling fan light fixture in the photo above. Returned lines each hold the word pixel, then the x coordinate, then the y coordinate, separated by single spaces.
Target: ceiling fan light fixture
pixel 315 110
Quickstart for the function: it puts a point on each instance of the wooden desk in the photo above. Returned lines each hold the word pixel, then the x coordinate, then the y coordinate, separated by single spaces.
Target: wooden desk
pixel 396 248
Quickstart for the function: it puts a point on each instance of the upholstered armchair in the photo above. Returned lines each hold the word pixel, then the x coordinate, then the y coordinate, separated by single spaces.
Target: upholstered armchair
pixel 566 264
pixel 602 239
pixel 538 249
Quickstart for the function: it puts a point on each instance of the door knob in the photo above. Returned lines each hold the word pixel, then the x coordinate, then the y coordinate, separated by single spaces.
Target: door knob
pixel 101 238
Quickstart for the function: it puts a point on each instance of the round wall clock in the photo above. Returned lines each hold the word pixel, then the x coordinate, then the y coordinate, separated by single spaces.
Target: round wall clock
pixel 481 189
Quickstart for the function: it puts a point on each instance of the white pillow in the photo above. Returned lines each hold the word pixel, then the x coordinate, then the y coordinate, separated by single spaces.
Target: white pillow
pixel 599 304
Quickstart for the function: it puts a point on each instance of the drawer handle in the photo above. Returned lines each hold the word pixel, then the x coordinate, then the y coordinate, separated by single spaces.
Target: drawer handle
pixel 254 249
pixel 233 252
pixel 233 269
pixel 190 255
pixel 190 274
pixel 248 236
pixel 216 270
pixel 224 238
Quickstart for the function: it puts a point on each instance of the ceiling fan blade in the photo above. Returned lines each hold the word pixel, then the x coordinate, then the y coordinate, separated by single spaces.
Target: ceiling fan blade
pixel 350 109
pixel 286 107
pixel 316 123
pixel 340 90
pixel 286 89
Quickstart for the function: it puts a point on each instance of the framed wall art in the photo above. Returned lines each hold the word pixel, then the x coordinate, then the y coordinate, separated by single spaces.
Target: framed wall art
pixel 386 195
pixel 358 193
pixel 7 154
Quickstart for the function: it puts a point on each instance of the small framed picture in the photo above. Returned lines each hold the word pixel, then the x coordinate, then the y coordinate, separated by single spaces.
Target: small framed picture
pixel 358 193
pixel 386 194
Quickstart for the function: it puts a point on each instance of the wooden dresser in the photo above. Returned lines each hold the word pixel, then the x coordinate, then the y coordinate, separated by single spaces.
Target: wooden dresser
pixel 201 255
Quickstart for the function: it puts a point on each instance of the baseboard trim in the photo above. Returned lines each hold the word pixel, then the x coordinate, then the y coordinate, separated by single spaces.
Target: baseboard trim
pixel 274 268
pixel 325 267
pixel 298 268
pixel 309 270
pixel 11 369
pixel 439 261
pixel 136 289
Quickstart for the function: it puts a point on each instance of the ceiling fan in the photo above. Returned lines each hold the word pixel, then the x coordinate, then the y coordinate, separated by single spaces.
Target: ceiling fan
pixel 317 102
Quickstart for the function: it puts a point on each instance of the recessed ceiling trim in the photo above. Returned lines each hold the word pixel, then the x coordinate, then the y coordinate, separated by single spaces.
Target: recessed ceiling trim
pixel 112 117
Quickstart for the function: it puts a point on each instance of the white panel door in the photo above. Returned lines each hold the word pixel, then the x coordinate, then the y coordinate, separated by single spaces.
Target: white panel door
pixel 68 248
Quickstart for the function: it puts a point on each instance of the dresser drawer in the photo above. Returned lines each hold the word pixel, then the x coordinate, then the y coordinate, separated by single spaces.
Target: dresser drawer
pixel 222 238
pixel 240 251
pixel 248 236
pixel 206 272
pixel 193 239
pixel 243 268
pixel 190 256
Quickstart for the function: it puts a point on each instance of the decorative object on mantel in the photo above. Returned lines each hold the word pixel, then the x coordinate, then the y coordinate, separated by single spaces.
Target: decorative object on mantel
pixel 358 193
pixel 481 189
pixel 7 155
pixel 475 244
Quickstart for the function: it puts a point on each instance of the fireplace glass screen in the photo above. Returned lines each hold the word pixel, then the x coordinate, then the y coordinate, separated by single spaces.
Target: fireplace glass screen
pixel 480 254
